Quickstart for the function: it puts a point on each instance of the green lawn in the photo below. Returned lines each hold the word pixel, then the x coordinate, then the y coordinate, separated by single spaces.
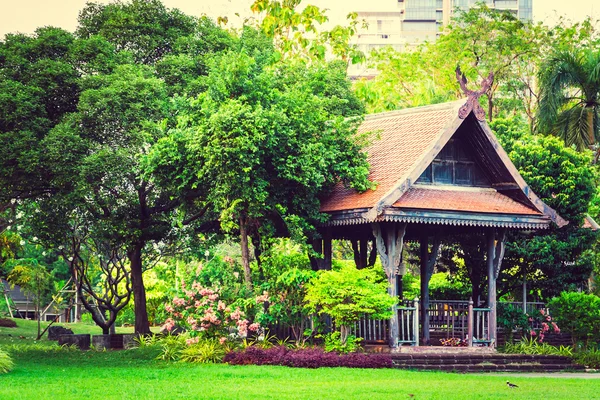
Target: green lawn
pixel 43 372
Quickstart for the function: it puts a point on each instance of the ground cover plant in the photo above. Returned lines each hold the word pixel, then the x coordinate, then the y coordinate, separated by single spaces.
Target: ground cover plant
pixel 306 358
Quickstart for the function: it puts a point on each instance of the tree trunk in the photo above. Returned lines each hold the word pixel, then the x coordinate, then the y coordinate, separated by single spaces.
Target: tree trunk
pixel 344 333
pixel 142 326
pixel 590 121
pixel 245 251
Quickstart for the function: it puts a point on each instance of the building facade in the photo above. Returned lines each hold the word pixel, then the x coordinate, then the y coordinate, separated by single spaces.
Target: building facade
pixel 411 22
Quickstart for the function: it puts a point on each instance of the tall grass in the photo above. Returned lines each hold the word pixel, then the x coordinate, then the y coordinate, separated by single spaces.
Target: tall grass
pixel 6 363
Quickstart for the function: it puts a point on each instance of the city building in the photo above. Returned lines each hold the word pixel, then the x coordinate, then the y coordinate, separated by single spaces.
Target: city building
pixel 411 22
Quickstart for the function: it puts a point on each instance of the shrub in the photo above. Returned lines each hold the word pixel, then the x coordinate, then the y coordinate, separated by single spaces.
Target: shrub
pixel 7 323
pixel 510 318
pixel 306 358
pixel 201 311
pixel 6 363
pixel 347 294
pixel 578 314
pixel 589 358
pixel 333 343
pixel 203 352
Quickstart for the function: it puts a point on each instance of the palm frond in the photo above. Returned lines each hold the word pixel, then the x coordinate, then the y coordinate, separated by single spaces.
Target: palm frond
pixel 572 127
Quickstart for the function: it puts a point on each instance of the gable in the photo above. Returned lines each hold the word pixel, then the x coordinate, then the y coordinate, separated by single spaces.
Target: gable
pixel 455 165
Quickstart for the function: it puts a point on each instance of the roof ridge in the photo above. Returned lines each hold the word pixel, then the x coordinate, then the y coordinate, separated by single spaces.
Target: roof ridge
pixel 412 110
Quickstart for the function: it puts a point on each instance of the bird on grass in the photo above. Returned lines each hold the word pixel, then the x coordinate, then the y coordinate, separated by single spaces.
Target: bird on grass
pixel 511 385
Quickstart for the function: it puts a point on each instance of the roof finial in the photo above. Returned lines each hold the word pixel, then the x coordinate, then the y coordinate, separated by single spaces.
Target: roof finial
pixel 472 103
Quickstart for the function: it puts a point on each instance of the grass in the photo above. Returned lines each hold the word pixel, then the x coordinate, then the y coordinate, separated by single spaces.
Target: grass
pixel 43 371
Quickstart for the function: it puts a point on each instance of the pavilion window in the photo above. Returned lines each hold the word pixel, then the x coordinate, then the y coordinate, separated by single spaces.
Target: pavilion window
pixel 454 166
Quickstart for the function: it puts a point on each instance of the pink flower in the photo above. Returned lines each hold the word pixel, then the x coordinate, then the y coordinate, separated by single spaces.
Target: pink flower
pixel 556 328
pixel 213 297
pixel 254 327
pixel 548 318
pixel 191 320
pixel 169 308
pixel 542 312
pixel 221 306
pixel 545 327
pixel 191 341
pixel 178 302
pixel 541 337
pixel 530 319
pixel 169 324
pixel 532 333
pixel 262 298
pixel 222 340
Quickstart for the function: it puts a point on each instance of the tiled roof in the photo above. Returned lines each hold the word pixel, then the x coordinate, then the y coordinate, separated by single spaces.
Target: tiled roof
pixel 402 139
pixel 472 199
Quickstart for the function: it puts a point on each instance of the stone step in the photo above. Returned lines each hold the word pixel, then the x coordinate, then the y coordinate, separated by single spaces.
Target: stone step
pixel 494 368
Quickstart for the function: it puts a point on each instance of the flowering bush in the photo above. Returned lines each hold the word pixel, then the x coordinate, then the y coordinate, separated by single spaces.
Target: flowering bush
pixel 306 358
pixel 201 311
pixel 541 322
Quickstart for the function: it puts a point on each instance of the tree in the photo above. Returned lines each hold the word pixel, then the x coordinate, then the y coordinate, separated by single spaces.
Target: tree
pixel 347 294
pixel 297 32
pixel 266 140
pixel 569 103
pixel 482 41
pixel 144 28
pixel 563 179
pixel 34 280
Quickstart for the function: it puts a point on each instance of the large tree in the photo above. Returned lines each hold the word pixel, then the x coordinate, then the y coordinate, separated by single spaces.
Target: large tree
pixel 570 96
pixel 267 138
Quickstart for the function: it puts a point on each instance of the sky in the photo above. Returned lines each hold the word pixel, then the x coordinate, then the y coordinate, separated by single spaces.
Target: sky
pixel 26 15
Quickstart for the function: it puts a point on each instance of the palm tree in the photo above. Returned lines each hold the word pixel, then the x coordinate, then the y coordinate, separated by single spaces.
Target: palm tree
pixel 569 97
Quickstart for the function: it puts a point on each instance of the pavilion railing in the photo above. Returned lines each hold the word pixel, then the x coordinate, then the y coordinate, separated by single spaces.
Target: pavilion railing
pixel 408 318
pixel 449 316
pixel 372 330
pixel 478 330
pixel 377 331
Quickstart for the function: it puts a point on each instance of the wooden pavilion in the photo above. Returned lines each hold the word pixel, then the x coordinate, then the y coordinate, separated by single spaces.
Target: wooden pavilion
pixel 440 171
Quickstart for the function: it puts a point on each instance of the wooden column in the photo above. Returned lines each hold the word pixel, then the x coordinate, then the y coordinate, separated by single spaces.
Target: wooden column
pixel 424 258
pixel 363 253
pixel 491 238
pixel 428 261
pixel 389 248
pixel 495 253
pixel 327 250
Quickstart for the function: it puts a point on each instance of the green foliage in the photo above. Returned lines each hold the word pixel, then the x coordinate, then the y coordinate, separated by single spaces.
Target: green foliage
pixel 6 363
pixel 297 32
pixel 347 294
pixel 590 358
pixel 565 180
pixel 532 346
pixel 511 317
pixel 442 286
pixel 333 342
pixel 570 88
pixel 578 314
pixel 146 29
pixel 203 352
pixel 288 301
